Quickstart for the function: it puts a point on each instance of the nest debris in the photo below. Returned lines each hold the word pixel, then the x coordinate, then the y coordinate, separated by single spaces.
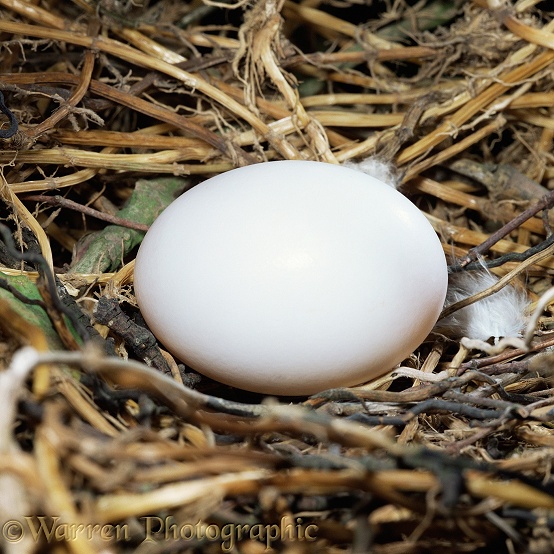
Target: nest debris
pixel 112 107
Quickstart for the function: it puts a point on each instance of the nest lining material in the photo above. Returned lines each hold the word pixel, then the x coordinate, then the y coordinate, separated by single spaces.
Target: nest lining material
pixel 120 107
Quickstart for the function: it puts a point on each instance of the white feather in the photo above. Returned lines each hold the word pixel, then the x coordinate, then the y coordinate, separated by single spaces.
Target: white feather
pixel 502 314
pixel 376 168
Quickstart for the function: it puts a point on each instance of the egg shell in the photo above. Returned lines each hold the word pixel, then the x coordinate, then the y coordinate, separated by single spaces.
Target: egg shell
pixel 291 277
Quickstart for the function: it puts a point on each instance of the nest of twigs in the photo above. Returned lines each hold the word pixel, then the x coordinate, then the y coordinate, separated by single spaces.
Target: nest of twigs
pixel 109 109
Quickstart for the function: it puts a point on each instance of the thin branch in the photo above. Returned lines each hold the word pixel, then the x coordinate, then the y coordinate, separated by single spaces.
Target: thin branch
pixel 545 203
pixel 61 202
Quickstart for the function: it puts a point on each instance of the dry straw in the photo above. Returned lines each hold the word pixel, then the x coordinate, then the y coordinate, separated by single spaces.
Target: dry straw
pixel 451 450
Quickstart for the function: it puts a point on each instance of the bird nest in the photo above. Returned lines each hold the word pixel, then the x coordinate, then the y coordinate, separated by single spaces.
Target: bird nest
pixel 110 108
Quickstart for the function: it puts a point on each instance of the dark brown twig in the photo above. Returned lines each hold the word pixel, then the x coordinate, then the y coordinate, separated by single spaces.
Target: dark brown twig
pixel 141 341
pixel 60 201
pixel 545 203
pixel 509 257
pixel 413 394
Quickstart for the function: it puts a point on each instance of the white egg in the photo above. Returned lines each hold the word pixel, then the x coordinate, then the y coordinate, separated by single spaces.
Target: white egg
pixel 291 277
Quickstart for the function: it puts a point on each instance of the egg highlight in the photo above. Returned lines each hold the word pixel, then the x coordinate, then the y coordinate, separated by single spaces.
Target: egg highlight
pixel 291 277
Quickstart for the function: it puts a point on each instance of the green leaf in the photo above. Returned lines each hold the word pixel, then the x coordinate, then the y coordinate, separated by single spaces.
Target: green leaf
pixel 34 314
pixel 103 251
